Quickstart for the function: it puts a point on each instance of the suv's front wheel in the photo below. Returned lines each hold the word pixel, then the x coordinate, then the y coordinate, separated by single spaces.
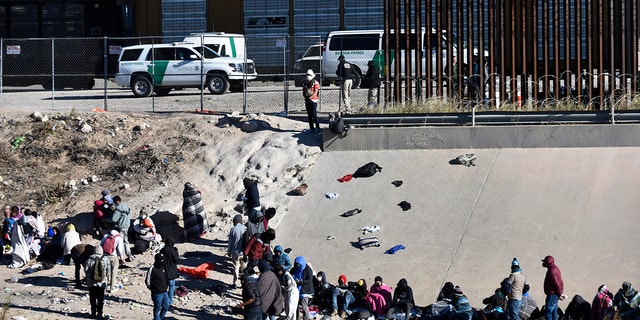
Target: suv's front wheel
pixel 141 86
pixel 217 83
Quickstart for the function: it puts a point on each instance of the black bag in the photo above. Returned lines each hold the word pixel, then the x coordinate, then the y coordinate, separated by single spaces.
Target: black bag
pixel 140 246
pixel 367 170
pixel 337 126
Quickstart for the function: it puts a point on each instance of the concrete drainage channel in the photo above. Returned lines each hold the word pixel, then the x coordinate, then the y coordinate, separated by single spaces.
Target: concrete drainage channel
pixel 486 130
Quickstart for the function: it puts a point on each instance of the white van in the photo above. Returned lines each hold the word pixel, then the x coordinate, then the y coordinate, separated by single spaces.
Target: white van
pixel 225 44
pixel 361 46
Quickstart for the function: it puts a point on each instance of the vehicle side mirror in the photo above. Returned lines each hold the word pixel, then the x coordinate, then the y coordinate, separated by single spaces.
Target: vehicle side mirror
pixel 193 57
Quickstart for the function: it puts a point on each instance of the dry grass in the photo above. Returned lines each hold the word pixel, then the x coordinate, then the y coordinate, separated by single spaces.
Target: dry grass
pixel 448 105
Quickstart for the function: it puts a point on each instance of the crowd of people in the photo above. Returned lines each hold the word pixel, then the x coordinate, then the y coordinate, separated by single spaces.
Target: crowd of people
pixel 275 288
pixel 25 237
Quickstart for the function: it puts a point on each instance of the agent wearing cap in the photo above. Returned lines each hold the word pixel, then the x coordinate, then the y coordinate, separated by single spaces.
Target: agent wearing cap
pixel 234 248
pixel 517 279
pixel 311 92
pixel 553 288
pixel 345 73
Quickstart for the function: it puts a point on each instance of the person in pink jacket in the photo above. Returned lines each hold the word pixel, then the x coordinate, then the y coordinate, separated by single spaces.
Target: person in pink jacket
pixel 379 296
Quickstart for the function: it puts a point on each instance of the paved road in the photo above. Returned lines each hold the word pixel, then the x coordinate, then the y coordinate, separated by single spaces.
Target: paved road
pixel 268 97
pixel 466 224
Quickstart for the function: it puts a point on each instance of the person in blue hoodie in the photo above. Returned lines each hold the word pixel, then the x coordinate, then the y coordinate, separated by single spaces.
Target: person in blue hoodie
pixel 281 258
pixel 303 274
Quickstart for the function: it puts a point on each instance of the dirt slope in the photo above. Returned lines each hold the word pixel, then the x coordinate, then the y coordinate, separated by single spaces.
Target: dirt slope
pixel 58 165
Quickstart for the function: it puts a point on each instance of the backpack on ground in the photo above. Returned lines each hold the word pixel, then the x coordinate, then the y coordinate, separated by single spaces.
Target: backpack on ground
pixel 109 245
pixel 438 310
pixel 367 170
pixel 98 271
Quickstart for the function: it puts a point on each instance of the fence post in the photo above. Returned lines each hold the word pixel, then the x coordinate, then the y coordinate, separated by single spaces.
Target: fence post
pixel 53 68
pixel 1 70
pixel 105 57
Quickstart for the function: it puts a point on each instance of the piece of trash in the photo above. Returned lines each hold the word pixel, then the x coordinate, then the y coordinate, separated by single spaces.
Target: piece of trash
pixel 369 229
pixel 393 249
pixel 330 237
pixel 13 279
pixel 331 195
pixel 405 205
pixel 397 183
pixel 351 212
pixel 346 178
pixel 300 190
pixel 165 161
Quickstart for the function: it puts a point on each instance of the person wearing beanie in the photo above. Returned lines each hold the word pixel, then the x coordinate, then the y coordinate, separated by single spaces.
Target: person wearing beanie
pixel 97 286
pixel 602 305
pixel 157 282
pixel 235 247
pixel 553 288
pixel 402 300
pixel 516 281
pixel 627 300
pixel 341 298
pixel 461 307
pixel 379 296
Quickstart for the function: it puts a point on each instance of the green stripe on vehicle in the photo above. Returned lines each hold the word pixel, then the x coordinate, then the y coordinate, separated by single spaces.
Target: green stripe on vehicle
pixel 378 60
pixel 233 47
pixel 159 71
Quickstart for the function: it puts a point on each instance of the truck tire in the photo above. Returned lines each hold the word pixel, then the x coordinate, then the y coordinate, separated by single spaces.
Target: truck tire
pixel 162 91
pixel 217 83
pixel 236 86
pixel 84 84
pixel 141 87
pixel 357 79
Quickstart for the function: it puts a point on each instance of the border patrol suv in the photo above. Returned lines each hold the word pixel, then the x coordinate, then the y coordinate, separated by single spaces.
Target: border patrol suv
pixel 161 67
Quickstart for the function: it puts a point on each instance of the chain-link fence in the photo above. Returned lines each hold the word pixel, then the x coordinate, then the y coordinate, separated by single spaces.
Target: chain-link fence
pixel 80 73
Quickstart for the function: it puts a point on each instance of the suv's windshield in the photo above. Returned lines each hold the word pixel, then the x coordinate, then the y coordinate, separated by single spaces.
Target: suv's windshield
pixel 208 53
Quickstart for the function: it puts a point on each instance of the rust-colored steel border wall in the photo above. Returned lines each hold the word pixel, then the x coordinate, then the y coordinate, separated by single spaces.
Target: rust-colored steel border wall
pixel 585 50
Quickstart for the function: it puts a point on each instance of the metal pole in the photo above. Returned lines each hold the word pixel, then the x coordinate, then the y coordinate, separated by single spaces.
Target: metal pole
pixel 201 73
pixel 1 70
pixel 286 78
pixel 53 66
pixel 105 57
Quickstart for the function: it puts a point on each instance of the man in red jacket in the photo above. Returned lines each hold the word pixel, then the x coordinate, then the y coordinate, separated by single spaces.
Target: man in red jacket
pixel 553 288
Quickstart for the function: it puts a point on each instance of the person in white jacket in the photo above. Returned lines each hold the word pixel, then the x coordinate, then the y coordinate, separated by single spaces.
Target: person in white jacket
pixel 71 239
